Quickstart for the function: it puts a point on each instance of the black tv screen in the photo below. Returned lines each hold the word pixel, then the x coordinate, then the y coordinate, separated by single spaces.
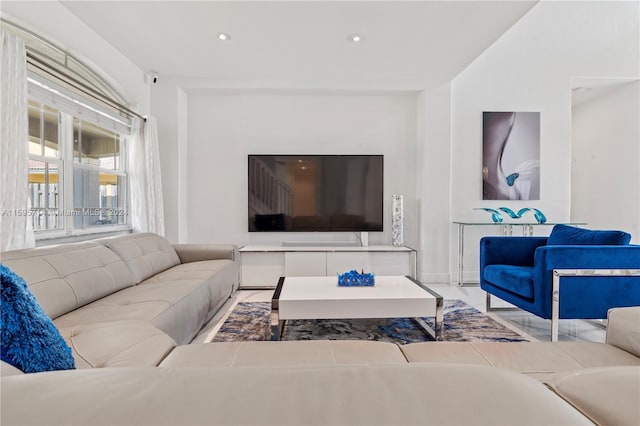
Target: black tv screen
pixel 315 193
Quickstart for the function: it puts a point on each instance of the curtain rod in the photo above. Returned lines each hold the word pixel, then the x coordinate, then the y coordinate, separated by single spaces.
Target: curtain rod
pixel 78 85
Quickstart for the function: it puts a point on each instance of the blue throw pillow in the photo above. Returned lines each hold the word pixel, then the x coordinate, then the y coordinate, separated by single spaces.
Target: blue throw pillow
pixel 571 235
pixel 30 341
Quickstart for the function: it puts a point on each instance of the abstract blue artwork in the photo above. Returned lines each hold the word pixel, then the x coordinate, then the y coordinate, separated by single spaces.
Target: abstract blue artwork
pixel 511 156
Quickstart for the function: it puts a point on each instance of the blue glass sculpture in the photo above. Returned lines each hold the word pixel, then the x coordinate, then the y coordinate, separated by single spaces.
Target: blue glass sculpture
pixel 495 215
pixel 511 213
pixel 355 279
pixel 540 217
pixel 537 214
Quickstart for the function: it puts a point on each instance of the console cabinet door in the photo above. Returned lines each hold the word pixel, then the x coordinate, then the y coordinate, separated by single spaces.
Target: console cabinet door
pixel 341 262
pixel 387 263
pixel 380 263
pixel 300 264
pixel 261 269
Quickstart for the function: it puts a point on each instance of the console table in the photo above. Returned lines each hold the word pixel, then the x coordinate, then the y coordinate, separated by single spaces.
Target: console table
pixel 262 265
pixel 507 230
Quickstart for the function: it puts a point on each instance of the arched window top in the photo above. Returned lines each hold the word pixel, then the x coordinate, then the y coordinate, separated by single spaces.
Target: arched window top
pixel 66 78
pixel 48 53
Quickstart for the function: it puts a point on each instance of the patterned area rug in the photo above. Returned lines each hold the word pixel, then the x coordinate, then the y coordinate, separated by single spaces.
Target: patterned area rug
pixel 462 323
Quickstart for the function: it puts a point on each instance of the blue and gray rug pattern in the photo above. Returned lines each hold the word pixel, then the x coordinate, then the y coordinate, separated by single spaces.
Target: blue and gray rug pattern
pixel 462 323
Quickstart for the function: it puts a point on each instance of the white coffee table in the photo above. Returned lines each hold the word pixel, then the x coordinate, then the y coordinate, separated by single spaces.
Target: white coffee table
pixel 321 298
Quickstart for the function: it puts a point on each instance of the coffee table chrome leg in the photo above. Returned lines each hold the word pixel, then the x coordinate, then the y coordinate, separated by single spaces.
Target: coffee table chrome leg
pixel 276 331
pixel 436 331
pixel 276 323
pixel 427 328
pixel 276 326
pixel 438 319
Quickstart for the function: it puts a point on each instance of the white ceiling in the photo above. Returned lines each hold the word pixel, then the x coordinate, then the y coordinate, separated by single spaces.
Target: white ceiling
pixel 409 45
pixel 585 90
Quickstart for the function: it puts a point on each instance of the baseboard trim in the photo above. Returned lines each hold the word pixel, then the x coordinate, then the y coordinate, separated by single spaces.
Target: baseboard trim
pixel 434 278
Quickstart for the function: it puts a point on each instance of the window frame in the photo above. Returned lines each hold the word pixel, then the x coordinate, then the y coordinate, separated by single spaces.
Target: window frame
pixel 66 167
pixel 48 232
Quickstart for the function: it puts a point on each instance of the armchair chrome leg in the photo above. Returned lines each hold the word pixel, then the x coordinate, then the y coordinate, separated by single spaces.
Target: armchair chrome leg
pixel 490 309
pixel 555 305
pixel 555 290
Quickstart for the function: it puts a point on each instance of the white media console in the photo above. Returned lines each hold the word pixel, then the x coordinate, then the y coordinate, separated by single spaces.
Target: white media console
pixel 262 265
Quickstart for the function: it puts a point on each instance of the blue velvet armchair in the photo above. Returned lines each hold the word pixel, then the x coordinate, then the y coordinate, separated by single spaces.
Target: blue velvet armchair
pixel 599 271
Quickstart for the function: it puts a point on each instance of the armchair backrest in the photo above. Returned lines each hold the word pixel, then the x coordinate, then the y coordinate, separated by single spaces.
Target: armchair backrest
pixel 572 235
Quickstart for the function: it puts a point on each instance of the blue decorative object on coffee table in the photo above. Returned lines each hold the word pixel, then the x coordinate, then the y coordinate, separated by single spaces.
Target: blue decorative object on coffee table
pixel 355 279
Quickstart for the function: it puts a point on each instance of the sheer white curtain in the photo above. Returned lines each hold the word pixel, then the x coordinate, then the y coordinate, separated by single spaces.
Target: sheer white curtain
pixel 16 228
pixel 147 208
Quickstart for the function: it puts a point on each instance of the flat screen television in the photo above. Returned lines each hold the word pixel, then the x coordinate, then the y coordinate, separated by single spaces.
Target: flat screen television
pixel 315 193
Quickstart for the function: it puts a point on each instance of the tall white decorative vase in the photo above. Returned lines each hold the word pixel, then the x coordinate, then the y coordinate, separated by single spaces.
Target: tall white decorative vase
pixel 397 212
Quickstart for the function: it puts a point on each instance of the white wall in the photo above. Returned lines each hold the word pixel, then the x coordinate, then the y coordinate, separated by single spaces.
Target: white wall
pixel 605 177
pixel 225 126
pixel 530 69
pixel 169 106
pixel 54 22
pixel 434 184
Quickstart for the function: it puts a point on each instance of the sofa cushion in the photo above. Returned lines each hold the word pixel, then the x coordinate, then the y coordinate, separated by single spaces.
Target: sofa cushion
pixel 286 354
pixel 532 358
pixel 607 396
pixel 30 341
pixel 516 279
pixel 444 352
pixel 539 360
pixel 398 394
pixel 219 276
pixel 178 308
pixel 178 300
pixel 67 276
pixel 572 235
pixel 595 354
pixel 145 254
pixel 117 344
pixel 7 369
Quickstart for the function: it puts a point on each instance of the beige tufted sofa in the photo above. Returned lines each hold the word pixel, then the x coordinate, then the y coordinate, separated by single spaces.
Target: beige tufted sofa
pixel 128 301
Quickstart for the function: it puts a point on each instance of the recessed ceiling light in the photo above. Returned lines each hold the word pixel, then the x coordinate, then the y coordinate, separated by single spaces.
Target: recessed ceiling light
pixel 224 36
pixel 355 38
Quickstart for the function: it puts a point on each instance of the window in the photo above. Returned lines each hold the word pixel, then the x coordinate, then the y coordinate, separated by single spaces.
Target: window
pixel 98 181
pixel 78 180
pixel 44 167
pixel 77 174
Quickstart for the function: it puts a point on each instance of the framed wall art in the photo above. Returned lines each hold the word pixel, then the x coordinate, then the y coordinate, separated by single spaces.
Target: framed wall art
pixel 510 155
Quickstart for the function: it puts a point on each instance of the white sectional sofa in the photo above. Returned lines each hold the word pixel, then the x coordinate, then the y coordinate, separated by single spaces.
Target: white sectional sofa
pixel 128 301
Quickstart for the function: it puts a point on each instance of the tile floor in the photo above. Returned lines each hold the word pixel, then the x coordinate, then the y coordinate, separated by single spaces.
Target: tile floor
pixel 521 321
